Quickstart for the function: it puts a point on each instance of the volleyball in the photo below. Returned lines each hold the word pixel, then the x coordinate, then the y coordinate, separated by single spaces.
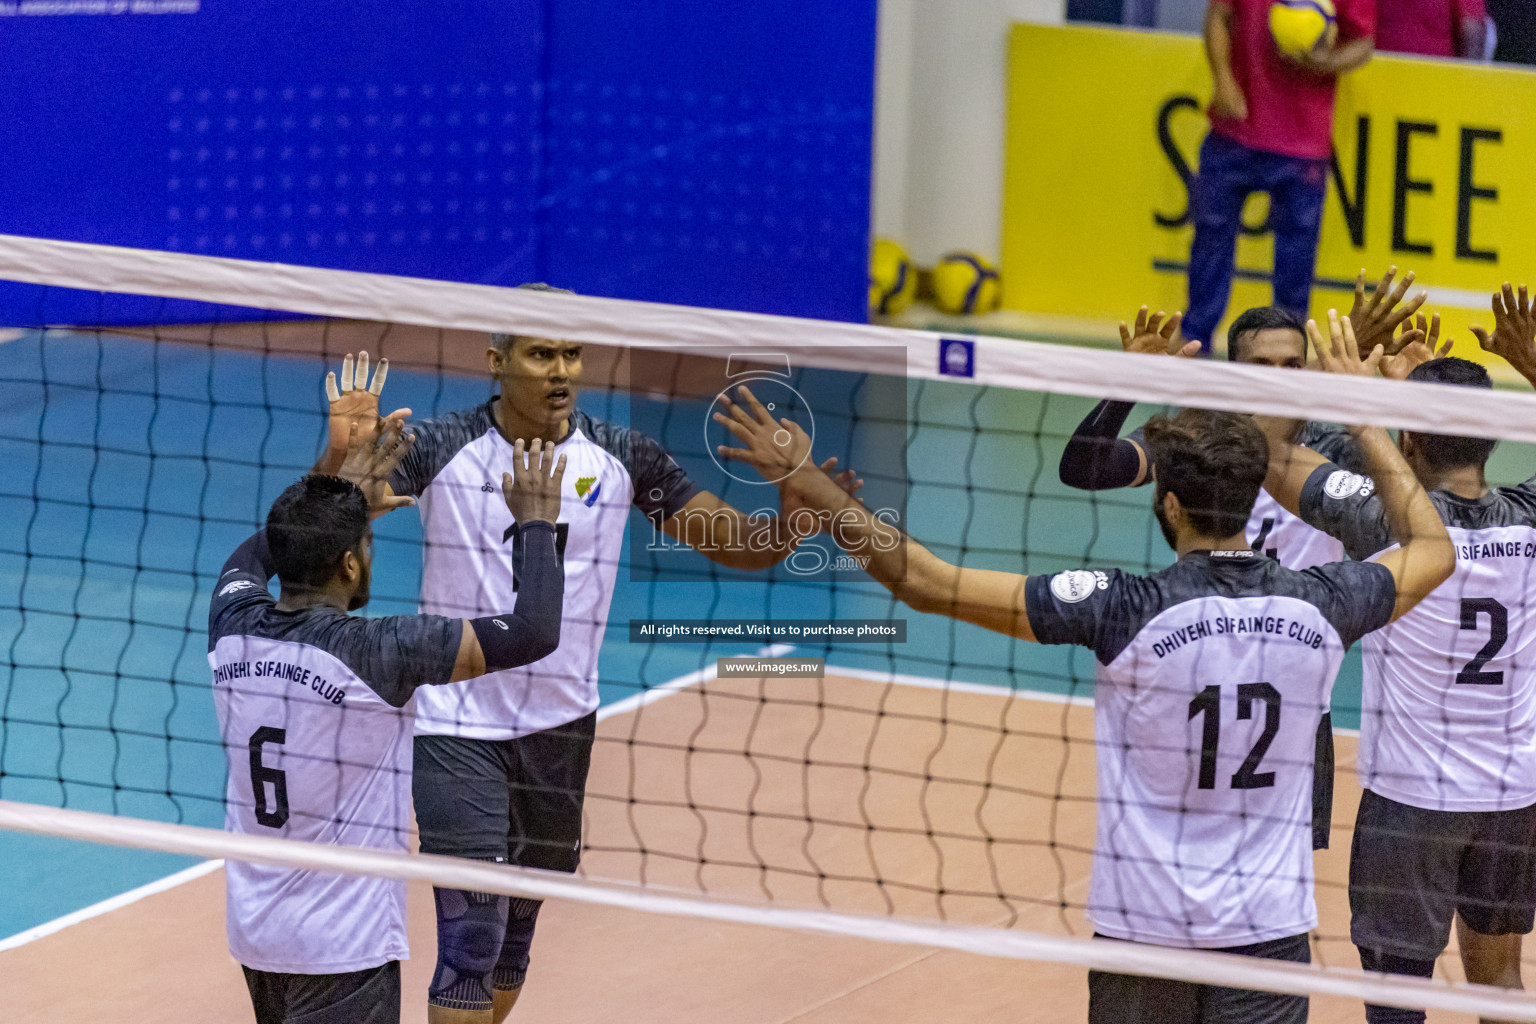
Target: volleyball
pixel 1298 26
pixel 892 278
pixel 964 282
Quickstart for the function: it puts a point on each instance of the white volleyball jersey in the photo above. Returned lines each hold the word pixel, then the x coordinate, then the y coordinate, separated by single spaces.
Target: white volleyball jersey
pixel 1212 678
pixel 1448 712
pixel 314 713
pixel 1288 539
pixel 470 553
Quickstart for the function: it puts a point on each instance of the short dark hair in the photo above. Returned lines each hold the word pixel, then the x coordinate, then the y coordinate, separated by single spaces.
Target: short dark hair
pixel 1263 318
pixel 311 525
pixel 503 343
pixel 1442 451
pixel 1214 461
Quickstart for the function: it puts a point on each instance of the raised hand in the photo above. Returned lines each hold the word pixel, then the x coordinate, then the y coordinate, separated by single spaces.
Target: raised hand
pixel 1415 353
pixel 791 502
pixel 1154 334
pixel 774 449
pixel 354 400
pixel 372 455
pixel 532 489
pixel 1514 330
pixel 1339 352
pixel 1376 319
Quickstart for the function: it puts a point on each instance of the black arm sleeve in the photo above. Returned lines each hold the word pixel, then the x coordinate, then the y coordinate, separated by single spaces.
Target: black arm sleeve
pixel 1096 458
pixel 533 630
pixel 251 557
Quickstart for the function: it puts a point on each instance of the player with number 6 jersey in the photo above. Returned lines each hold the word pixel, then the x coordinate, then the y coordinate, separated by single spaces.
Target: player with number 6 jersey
pixel 315 711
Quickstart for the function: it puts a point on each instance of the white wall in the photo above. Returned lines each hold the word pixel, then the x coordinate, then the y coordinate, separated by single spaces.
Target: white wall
pixel 940 107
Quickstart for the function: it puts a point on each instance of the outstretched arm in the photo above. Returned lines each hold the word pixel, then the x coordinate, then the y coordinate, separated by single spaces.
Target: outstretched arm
pixel 532 631
pixel 1425 557
pixel 913 574
pixel 729 537
pixel 1096 457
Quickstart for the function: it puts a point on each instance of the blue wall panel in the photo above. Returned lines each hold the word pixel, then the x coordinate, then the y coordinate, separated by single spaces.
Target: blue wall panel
pixel 712 154
pixel 675 150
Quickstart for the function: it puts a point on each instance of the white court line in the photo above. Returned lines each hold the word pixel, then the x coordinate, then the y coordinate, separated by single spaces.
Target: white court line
pixel 107 906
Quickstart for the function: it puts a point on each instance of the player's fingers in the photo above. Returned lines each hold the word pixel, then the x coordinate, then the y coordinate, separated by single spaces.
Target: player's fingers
pixel 1125 335
pixel 346 373
pixel 1360 288
pixel 1171 326
pixel 1315 337
pixel 331 394
pixel 1434 329
pixel 1412 336
pixel 360 379
pixel 738 427
pixel 1402 288
pixel 1445 349
pixel 1509 300
pixel 559 473
pixel 1141 320
pixel 377 387
pixel 758 412
pixel 519 458
pixel 1482 337
pixel 828 466
pixel 1372 362
pixel 1190 350
pixel 1525 302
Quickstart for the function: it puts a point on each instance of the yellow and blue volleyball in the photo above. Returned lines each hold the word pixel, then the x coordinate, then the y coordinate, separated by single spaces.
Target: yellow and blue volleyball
pixel 966 283
pixel 1298 26
pixel 892 278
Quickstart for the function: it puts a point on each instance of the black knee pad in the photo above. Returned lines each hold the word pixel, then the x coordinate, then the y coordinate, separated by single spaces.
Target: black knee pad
pixel 1390 963
pixel 512 965
pixel 471 927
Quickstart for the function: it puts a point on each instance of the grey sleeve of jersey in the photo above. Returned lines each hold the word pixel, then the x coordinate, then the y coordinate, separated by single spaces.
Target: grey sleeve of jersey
pixel 238 595
pixel 1357 597
pixel 1334 443
pixel 1085 607
pixel 437 442
pixel 662 488
pixel 1345 507
pixel 397 654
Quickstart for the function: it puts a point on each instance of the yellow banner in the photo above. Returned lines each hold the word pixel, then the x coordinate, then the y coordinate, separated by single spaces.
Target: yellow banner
pixel 1434 171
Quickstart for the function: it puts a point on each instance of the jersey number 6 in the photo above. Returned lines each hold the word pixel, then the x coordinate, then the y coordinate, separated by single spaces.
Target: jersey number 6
pixel 261 775
pixel 1208 703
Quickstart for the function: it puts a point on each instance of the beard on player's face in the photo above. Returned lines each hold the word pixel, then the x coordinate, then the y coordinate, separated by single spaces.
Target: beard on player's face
pixel 1161 514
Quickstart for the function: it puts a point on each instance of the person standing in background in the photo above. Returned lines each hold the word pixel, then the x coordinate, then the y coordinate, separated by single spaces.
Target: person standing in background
pixel 1434 28
pixel 1271 131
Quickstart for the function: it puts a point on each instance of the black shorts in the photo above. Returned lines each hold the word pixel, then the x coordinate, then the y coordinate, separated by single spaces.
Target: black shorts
pixel 516 800
pixel 1133 999
pixel 370 996
pixel 1411 870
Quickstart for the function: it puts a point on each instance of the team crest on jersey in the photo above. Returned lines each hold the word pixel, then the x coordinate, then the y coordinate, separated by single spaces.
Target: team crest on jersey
pixel 587 488
pixel 1342 484
pixel 235 585
pixel 1077 584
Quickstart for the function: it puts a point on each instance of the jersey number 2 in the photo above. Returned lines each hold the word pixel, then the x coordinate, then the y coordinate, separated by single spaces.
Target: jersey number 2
pixel 1498 633
pixel 275 815
pixel 1208 703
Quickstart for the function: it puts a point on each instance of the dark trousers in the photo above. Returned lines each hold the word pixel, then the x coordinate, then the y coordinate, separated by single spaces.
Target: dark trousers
pixel 1229 173
pixel 1132 999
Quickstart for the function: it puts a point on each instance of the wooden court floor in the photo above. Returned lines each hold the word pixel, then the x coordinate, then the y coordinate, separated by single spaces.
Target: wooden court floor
pixel 798 792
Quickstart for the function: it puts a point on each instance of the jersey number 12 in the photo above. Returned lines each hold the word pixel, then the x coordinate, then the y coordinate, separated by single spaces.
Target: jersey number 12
pixel 1208 703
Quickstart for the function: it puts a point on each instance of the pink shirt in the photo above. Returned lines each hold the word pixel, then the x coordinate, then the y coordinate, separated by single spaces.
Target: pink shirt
pixel 1428 27
pixel 1290 111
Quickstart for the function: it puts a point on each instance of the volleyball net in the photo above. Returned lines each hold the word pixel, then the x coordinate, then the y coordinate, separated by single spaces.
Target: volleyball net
pixel 785 746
